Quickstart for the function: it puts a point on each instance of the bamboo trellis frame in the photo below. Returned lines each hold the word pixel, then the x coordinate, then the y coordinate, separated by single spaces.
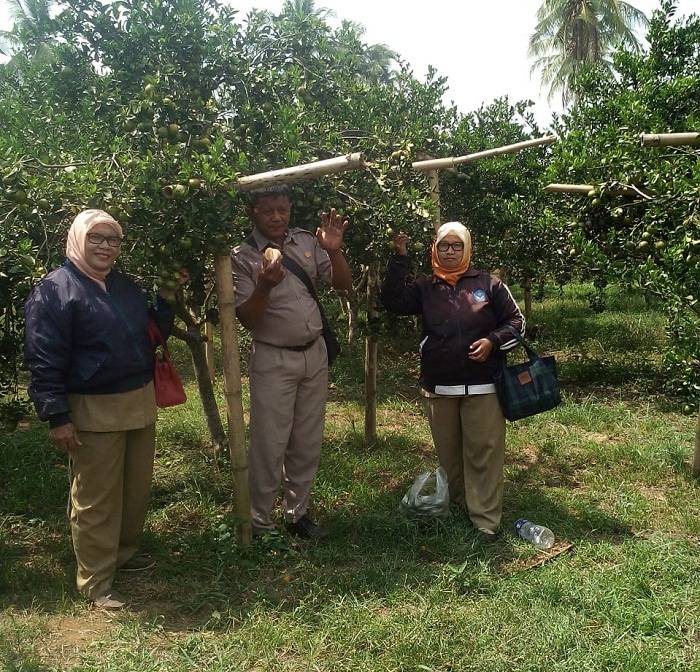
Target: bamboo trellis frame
pixel 230 354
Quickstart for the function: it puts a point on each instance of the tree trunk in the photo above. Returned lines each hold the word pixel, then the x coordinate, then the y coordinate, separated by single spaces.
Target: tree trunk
pixel 206 392
pixel 371 359
pixel 209 350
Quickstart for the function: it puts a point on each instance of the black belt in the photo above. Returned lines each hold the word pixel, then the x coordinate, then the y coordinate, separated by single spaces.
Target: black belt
pixel 293 348
pixel 299 348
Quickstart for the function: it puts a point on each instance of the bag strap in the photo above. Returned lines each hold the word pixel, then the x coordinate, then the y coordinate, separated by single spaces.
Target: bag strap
pixel 531 353
pixel 156 336
pixel 293 267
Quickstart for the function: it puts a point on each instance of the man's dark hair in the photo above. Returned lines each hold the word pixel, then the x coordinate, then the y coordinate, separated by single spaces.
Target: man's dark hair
pixel 254 195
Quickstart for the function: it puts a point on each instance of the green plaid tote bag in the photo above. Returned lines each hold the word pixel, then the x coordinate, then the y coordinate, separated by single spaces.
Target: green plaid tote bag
pixel 527 388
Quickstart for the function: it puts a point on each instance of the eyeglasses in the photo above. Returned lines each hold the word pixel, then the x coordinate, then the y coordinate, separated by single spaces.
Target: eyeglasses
pixel 98 239
pixel 443 246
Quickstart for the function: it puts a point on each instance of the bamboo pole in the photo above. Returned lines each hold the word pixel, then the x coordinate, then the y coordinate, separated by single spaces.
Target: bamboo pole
pixel 234 397
pixel 306 171
pixel 696 457
pixel 435 164
pixel 669 139
pixel 371 366
pixel 622 190
pixel 570 188
pixel 434 189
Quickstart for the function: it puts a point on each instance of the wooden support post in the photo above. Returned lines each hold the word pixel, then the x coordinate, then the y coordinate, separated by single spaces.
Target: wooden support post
pixel 669 139
pixel 434 187
pixel 696 457
pixel 234 397
pixel 371 350
pixel 435 164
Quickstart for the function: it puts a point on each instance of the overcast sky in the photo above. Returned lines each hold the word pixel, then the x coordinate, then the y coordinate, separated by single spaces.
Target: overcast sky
pixel 480 46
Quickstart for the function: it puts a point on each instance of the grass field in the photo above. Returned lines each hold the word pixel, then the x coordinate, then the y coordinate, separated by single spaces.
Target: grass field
pixel 608 471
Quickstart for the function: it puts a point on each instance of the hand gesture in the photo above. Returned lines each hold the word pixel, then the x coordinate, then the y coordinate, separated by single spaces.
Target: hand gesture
pixel 401 241
pixel 330 233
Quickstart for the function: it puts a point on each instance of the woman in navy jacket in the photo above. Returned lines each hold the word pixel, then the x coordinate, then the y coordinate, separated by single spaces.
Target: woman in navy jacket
pixel 464 314
pixel 91 361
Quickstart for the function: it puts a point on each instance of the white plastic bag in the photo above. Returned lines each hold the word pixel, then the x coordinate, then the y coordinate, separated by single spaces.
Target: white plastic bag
pixel 428 496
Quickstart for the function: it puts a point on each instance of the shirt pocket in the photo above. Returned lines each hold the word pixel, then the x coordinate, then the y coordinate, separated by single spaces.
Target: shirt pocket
pixel 309 265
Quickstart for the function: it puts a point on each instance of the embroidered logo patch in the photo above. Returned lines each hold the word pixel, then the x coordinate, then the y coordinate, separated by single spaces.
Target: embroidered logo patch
pixel 479 296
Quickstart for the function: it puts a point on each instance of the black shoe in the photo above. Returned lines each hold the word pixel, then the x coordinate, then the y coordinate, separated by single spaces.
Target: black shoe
pixel 260 532
pixel 486 536
pixel 138 563
pixel 306 529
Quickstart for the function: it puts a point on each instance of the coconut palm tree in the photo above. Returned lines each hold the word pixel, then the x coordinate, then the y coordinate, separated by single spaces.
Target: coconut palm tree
pixel 574 35
pixel 32 31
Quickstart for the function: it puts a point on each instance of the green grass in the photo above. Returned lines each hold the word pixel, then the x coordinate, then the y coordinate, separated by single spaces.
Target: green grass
pixel 608 471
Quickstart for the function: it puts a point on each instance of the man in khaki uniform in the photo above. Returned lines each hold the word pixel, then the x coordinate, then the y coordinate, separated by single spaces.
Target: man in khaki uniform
pixel 288 364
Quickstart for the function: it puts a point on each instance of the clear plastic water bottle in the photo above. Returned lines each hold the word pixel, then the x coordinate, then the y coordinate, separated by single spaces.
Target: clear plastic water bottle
pixel 539 535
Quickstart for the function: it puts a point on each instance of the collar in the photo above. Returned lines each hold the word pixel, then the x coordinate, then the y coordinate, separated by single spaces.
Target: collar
pixel 471 272
pixel 260 242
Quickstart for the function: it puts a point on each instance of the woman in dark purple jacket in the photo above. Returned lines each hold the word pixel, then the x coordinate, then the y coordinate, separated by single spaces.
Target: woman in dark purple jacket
pixel 464 314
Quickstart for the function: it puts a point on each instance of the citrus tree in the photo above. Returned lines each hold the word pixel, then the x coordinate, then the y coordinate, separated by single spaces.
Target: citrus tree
pixel 151 111
pixel 640 223
pixel 501 199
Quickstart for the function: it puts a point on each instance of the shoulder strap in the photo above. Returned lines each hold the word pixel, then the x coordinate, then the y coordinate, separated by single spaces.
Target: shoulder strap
pixel 293 267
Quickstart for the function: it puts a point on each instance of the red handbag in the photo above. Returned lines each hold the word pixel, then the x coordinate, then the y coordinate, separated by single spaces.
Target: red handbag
pixel 169 389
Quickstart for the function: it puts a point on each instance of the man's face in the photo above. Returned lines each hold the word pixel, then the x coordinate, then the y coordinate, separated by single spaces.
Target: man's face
pixel 270 214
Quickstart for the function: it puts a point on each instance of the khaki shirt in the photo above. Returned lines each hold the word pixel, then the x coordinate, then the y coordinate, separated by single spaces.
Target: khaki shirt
pixel 292 317
pixel 117 412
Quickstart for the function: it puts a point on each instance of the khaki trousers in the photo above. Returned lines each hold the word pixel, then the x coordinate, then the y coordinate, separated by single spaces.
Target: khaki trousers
pixel 110 490
pixel 288 393
pixel 469 434
pixel 111 477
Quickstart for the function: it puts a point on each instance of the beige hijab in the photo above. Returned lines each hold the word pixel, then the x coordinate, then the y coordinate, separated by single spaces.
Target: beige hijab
pixel 77 237
pixel 462 232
